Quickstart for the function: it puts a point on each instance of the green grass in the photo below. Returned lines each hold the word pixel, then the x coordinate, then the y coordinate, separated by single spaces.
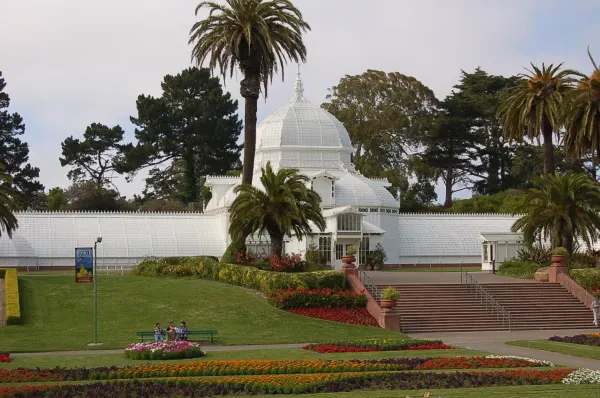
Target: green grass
pixel 438 269
pixel 578 350
pixel 70 361
pixel 57 314
pixel 555 390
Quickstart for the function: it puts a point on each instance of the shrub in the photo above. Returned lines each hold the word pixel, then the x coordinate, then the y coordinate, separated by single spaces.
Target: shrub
pixel 581 260
pixel 11 297
pixel 389 293
pixel 2 271
pixel 587 278
pixel 535 254
pixel 519 269
pixel 239 275
pixel 560 251
pixel 303 297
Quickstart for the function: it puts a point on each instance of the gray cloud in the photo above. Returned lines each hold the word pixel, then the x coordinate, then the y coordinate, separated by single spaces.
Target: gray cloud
pixel 69 63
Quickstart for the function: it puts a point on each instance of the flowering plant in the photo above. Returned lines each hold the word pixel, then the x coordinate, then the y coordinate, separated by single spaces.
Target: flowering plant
pixel 5 357
pixel 302 297
pixel 538 362
pixel 363 345
pixel 583 339
pixel 595 291
pixel 583 376
pixel 352 315
pixel 164 350
pixel 287 263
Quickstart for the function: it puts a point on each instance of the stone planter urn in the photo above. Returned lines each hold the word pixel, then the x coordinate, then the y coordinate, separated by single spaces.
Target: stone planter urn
pixel 558 265
pixel 388 303
pixel 348 262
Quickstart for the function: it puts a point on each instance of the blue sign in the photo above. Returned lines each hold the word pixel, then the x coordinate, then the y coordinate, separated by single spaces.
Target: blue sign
pixel 84 264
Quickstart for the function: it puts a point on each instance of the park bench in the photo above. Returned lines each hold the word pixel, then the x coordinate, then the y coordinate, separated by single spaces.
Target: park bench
pixel 205 335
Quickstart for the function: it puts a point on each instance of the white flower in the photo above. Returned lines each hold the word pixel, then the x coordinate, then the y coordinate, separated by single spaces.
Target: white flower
pixel 167 346
pixel 537 362
pixel 583 376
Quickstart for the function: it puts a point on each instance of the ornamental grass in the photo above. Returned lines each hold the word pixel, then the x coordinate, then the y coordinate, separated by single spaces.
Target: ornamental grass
pixel 293 384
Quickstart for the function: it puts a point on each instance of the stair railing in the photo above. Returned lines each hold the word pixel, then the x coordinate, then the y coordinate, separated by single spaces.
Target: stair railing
pixel 371 287
pixel 488 300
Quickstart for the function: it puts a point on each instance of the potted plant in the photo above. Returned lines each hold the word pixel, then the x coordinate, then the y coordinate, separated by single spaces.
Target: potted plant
pixel 349 258
pixel 389 296
pixel 558 256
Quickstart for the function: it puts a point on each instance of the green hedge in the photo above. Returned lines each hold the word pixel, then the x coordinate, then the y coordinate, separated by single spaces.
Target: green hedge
pixel 587 278
pixel 519 269
pixel 12 308
pixel 2 272
pixel 239 275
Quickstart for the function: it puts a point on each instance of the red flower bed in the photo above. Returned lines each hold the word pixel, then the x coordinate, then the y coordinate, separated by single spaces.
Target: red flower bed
pixel 5 357
pixel 329 349
pixel 353 315
pixel 473 363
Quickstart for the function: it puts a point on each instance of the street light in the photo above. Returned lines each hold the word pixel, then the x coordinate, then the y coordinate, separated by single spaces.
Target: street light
pixel 98 240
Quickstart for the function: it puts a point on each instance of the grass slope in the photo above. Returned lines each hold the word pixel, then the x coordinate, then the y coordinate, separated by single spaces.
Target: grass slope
pixel 58 314
pixel 96 360
pixel 578 350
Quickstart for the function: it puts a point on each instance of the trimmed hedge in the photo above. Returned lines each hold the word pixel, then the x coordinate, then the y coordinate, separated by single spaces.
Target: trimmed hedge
pixel 2 272
pixel 519 269
pixel 587 278
pixel 239 275
pixel 12 307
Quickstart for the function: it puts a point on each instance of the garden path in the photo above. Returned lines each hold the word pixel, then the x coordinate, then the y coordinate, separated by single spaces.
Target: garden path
pixel 494 342
pixel 2 318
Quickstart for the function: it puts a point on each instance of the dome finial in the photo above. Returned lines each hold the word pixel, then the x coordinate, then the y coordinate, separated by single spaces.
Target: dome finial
pixel 298 94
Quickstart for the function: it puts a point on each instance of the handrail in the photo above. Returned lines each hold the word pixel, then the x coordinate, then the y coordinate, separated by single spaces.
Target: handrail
pixel 371 287
pixel 486 298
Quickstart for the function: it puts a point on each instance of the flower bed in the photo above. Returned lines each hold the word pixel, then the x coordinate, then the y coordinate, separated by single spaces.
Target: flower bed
pixel 164 350
pixel 302 297
pixel 261 367
pixel 584 339
pixel 353 315
pixel 583 376
pixel 364 345
pixel 5 357
pixel 295 384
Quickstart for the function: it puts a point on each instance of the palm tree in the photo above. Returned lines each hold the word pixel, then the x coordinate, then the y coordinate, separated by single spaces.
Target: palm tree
pixel 534 107
pixel 581 115
pixel 561 208
pixel 259 36
pixel 285 205
pixel 8 221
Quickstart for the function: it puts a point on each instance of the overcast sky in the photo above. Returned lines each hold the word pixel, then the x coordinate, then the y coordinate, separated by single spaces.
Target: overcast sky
pixel 70 63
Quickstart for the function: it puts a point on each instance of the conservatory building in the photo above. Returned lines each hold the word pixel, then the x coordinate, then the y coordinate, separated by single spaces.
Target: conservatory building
pixel 358 211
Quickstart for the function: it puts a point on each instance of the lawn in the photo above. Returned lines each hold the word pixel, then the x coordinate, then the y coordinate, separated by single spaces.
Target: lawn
pixel 435 269
pixel 557 391
pixel 57 314
pixel 578 350
pixel 96 360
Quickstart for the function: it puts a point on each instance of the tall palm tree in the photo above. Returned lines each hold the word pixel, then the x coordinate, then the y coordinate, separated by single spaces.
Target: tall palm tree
pixel 561 208
pixel 581 115
pixel 8 221
pixel 284 205
pixel 259 36
pixel 533 109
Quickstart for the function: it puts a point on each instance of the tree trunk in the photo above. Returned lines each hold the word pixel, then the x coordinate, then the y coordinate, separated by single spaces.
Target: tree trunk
pixel 250 90
pixel 449 180
pixel 548 148
pixel 191 182
pixel 276 244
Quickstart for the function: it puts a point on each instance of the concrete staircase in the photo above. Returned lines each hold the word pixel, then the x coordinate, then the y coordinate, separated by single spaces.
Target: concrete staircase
pixel 454 307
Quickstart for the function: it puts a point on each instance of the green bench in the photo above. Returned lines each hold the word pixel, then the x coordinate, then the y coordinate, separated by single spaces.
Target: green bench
pixel 205 335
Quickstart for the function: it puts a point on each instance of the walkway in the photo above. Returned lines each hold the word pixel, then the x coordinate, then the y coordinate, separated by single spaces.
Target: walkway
pixel 394 278
pixel 2 317
pixel 207 348
pixel 494 342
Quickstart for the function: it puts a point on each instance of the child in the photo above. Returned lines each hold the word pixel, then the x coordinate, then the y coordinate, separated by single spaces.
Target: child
pixel 158 333
pixel 183 331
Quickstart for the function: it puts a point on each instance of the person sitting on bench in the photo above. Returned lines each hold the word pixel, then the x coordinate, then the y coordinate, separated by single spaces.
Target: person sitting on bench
pixel 182 333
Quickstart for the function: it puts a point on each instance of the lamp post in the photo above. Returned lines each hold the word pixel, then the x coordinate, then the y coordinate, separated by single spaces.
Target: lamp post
pixel 95 343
